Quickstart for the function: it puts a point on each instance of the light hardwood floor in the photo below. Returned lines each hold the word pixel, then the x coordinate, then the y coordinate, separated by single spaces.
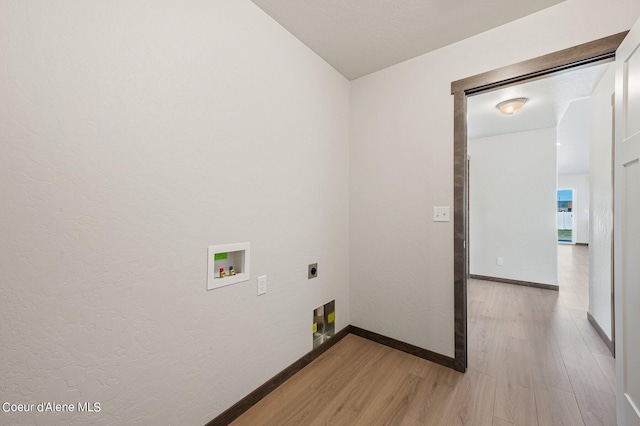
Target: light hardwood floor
pixel 533 360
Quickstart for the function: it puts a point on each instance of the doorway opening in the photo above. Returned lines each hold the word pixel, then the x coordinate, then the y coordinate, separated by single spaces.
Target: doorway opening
pixel 564 216
pixel 573 58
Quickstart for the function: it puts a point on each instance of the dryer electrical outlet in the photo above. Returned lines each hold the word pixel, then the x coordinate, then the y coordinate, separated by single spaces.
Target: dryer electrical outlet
pixel 312 271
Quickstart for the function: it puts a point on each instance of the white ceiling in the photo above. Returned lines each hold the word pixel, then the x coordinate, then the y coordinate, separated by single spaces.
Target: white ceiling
pixel 552 100
pixel 358 37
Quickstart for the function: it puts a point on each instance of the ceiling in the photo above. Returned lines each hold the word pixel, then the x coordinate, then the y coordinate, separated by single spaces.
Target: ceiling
pixel 559 99
pixel 358 37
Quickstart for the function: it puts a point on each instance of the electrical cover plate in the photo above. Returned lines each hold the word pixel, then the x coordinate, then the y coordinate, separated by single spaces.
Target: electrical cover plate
pixel 441 214
pixel 312 271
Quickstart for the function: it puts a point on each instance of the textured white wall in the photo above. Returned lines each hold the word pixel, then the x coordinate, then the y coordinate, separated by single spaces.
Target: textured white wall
pixel 600 201
pixel 580 184
pixel 512 204
pixel 573 135
pixel 402 166
pixel 134 135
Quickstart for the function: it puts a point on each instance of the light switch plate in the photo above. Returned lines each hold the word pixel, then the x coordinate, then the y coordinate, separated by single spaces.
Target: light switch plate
pixel 262 284
pixel 441 214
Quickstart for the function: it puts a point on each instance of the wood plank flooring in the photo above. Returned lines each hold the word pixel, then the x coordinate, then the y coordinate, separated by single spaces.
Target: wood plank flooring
pixel 533 360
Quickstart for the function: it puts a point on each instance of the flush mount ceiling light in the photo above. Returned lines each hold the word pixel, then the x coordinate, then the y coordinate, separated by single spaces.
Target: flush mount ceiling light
pixel 511 106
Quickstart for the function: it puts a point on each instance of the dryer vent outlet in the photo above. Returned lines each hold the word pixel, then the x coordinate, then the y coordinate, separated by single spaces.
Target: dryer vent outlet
pixel 324 323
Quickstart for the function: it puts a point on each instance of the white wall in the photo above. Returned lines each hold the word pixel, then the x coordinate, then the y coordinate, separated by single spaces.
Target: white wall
pixel 573 137
pixel 573 162
pixel 402 166
pixel 512 205
pixel 134 135
pixel 580 185
pixel 600 201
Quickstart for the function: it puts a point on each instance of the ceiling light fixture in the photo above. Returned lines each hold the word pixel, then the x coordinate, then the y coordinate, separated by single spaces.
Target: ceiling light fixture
pixel 511 106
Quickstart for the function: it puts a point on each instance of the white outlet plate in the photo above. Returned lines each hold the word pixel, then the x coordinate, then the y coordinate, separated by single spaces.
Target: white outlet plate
pixel 441 214
pixel 499 261
pixel 262 284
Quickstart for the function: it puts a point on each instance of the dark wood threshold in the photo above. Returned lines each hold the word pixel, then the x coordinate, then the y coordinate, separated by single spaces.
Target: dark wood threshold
pixel 602 334
pixel 516 282
pixel 404 347
pixel 237 409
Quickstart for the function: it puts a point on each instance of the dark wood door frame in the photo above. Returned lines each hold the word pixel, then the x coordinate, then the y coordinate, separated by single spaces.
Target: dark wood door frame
pixel 578 56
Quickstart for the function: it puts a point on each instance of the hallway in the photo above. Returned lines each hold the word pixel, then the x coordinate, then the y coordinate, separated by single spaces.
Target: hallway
pixel 548 360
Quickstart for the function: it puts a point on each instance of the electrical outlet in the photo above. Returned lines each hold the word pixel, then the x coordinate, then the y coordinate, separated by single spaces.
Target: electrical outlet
pixel 499 261
pixel 312 271
pixel 441 214
pixel 262 284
